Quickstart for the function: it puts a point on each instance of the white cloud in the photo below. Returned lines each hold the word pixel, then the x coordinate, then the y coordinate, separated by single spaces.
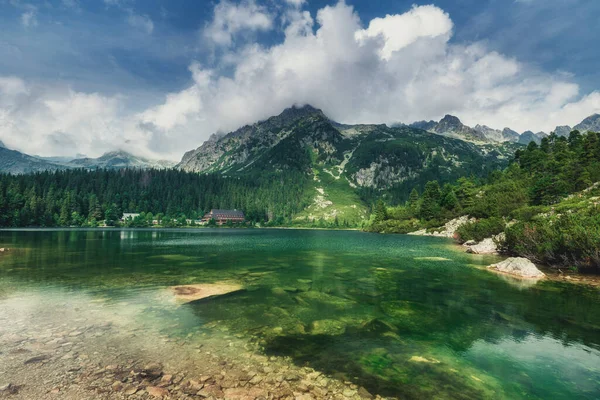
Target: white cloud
pixel 399 31
pixel 295 3
pixel 29 17
pixel 230 19
pixel 397 68
pixel 57 120
pixel 142 22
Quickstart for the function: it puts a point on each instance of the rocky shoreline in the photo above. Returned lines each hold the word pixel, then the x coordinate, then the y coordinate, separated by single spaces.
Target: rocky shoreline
pixel 78 354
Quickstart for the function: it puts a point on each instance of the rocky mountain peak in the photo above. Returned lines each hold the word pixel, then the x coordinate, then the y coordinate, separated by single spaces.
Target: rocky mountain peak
pixel 294 113
pixel 591 123
pixel 563 130
pixel 450 121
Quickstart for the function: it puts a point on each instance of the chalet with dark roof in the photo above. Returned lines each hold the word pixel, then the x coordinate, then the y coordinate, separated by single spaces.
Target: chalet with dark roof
pixel 223 216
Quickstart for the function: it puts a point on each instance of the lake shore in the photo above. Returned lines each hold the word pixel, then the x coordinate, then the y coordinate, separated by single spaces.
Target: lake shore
pixel 82 351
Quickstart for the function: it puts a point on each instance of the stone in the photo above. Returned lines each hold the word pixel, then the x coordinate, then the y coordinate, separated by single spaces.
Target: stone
pixel 37 359
pixel 304 397
pixel 211 391
pixel 486 246
pixel 130 390
pixel 518 266
pixel 187 293
pixel 420 359
pixel 329 327
pixel 364 393
pixel 158 392
pixel 349 392
pixel 9 388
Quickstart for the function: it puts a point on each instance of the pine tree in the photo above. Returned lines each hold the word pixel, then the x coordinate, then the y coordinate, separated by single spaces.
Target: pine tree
pixel 380 212
pixel 430 205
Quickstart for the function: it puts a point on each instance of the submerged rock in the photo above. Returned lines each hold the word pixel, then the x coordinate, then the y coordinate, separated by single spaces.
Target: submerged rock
pixel 157 392
pixel 420 359
pixel 518 266
pixel 187 293
pixel 329 327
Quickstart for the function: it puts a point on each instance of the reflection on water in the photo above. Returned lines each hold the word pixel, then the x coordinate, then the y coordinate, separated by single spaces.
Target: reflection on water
pixel 402 316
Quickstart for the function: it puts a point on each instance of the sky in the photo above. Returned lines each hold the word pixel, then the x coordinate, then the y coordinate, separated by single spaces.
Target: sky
pixel 158 77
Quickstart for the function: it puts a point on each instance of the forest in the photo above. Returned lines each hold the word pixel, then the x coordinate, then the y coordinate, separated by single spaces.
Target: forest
pixel 83 198
pixel 545 201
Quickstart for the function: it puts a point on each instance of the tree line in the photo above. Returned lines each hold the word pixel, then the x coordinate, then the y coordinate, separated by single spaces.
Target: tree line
pixel 89 198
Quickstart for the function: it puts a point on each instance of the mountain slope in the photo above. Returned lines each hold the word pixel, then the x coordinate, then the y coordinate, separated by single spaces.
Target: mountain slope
pixel 14 162
pixel 344 161
pixel 590 124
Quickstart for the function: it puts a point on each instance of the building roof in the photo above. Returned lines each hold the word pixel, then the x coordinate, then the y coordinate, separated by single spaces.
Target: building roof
pixel 226 213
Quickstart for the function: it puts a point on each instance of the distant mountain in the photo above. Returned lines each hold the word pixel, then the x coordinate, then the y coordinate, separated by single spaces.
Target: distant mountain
pixel 495 135
pixel 14 162
pixel 563 130
pixel 591 123
pixel 451 126
pixel 425 125
pixel 529 136
pixel 342 161
pixel 510 135
pixel 118 159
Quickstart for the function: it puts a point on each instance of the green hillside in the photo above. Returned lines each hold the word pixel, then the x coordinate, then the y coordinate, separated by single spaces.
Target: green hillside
pixel 547 203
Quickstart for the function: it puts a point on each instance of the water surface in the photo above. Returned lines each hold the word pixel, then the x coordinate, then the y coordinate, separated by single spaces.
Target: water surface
pixel 403 316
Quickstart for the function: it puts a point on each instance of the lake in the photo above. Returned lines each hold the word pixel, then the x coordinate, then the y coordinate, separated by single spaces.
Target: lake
pixel 401 316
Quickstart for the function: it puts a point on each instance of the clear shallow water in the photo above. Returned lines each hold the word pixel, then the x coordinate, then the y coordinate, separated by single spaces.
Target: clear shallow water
pixel 403 316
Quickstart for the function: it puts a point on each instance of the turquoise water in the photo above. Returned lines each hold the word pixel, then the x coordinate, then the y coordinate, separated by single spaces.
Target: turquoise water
pixel 402 316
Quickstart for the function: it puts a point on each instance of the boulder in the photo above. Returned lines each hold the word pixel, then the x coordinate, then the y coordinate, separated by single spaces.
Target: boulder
pixel 518 266
pixel 448 230
pixel 486 246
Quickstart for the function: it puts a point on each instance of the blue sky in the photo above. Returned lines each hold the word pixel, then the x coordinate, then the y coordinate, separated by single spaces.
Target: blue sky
pixel 150 71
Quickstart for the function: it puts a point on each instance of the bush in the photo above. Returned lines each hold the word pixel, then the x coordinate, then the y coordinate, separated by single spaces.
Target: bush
pixel 570 240
pixel 528 213
pixel 480 230
pixel 395 226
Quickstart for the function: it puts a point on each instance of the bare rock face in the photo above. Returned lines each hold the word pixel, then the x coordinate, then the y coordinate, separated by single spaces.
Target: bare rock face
pixel 518 266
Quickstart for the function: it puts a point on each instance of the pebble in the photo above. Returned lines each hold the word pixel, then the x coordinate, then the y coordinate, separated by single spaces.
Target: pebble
pixel 156 391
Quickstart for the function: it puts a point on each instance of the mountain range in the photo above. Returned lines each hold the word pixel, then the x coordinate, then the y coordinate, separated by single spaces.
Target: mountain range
pixel 15 162
pixel 451 126
pixel 345 163
pixel 347 166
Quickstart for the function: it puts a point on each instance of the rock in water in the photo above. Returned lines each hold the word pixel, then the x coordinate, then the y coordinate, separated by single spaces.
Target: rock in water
pixel 518 266
pixel 328 327
pixel 187 293
pixel 486 246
